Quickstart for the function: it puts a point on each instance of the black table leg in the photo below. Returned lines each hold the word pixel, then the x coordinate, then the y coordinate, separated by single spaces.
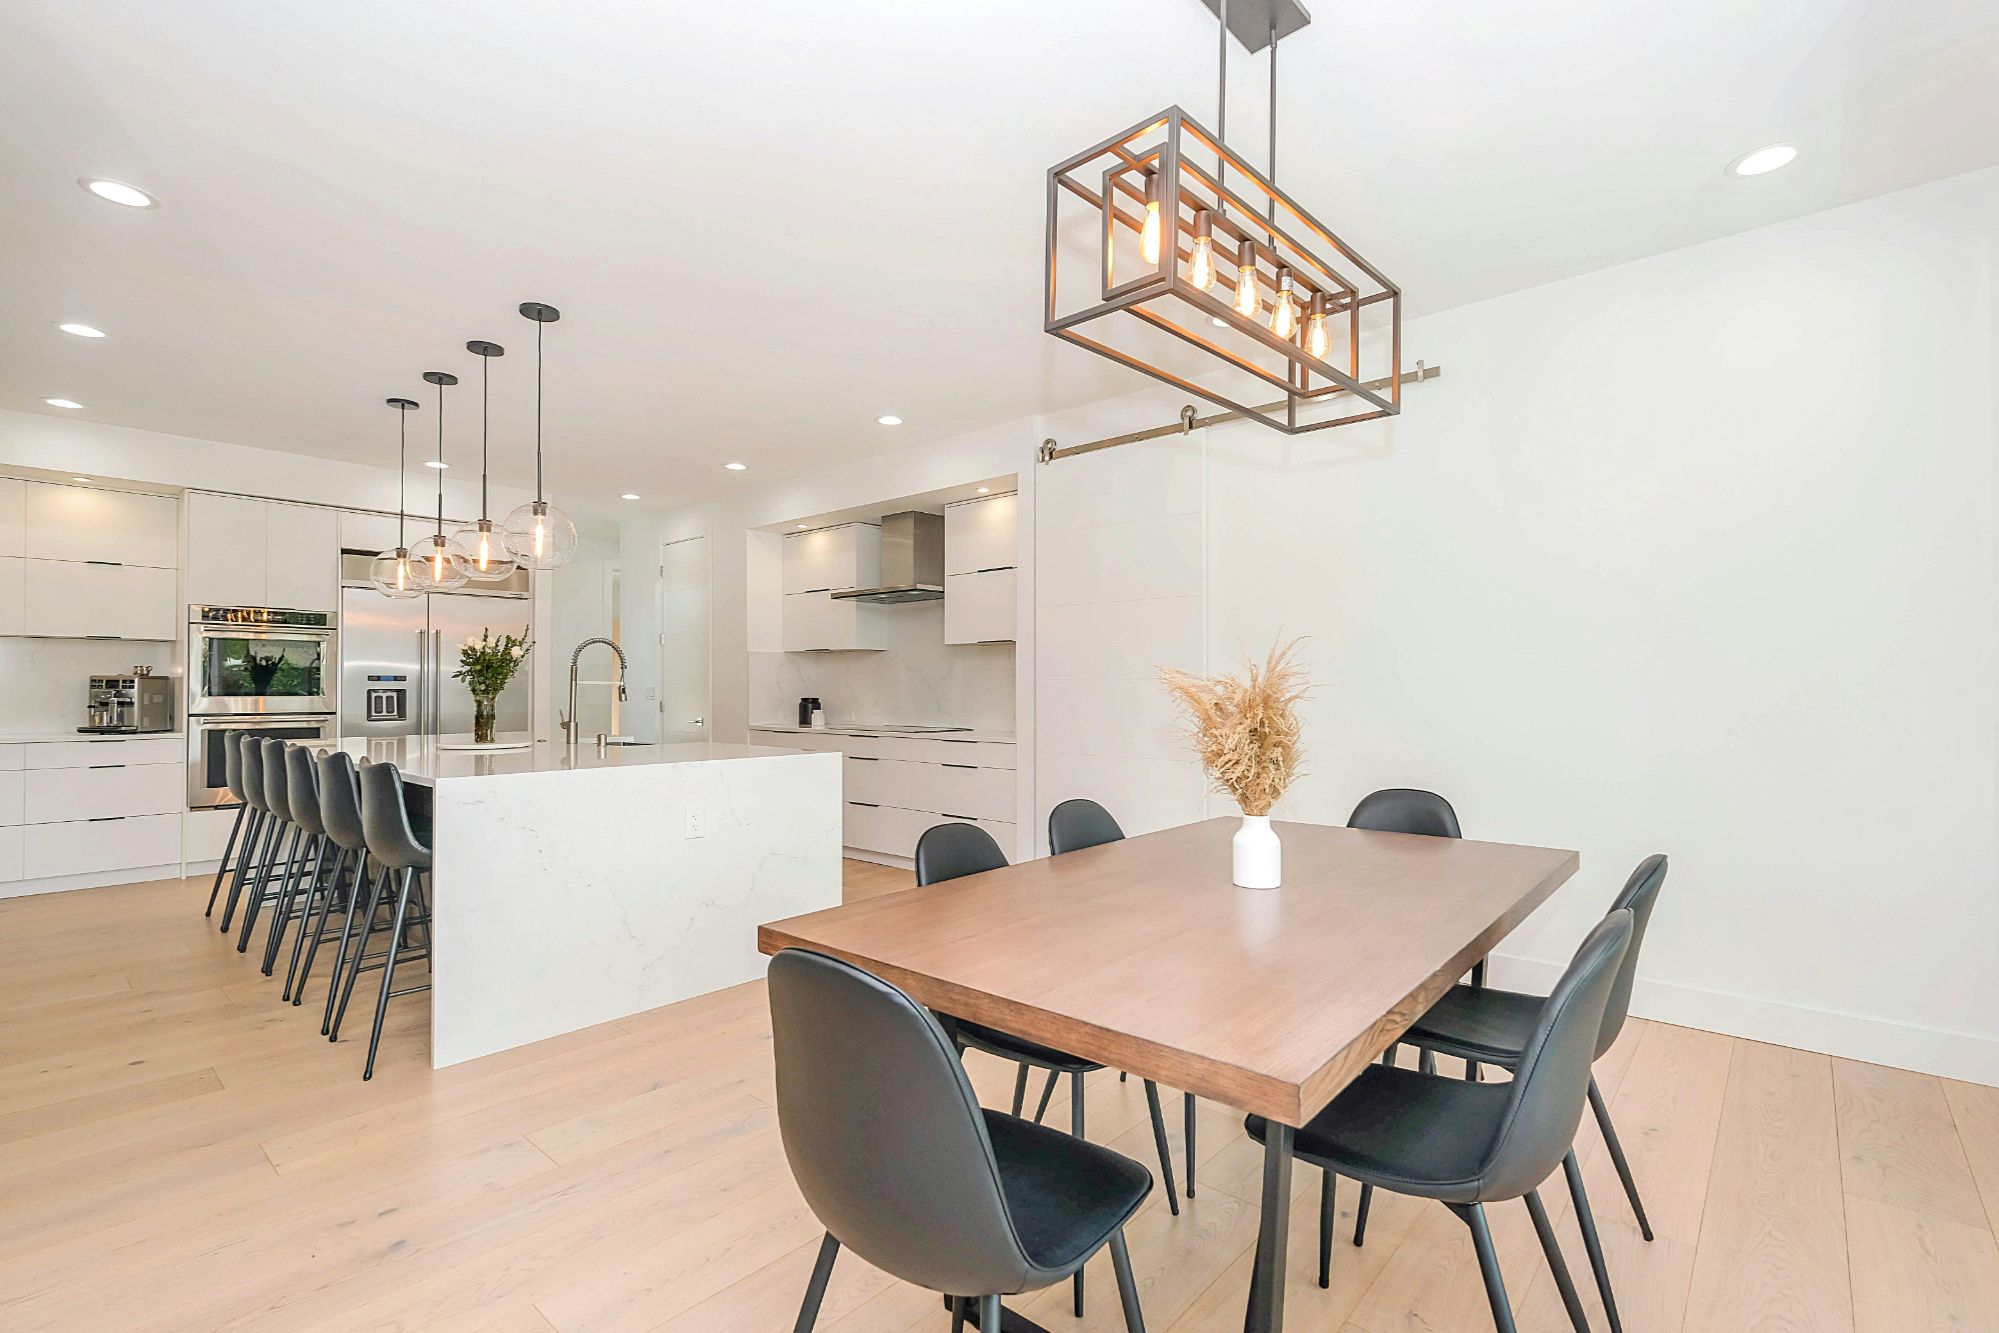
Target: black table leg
pixel 1266 1283
pixel 1011 1321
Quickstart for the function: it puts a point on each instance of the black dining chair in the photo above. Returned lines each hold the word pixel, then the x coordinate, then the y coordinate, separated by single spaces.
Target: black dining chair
pixel 1072 826
pixel 340 816
pixel 232 770
pixel 951 851
pixel 1495 1026
pixel 922 1182
pixel 393 846
pixel 1469 1144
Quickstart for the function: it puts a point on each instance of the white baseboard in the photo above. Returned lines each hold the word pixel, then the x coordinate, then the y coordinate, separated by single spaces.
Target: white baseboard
pixel 878 858
pixel 1967 1056
pixel 22 888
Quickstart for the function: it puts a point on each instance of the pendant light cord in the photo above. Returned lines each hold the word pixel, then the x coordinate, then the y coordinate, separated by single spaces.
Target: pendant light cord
pixel 539 325
pixel 1272 215
pixel 1222 106
pixel 402 478
pixel 440 458
pixel 485 415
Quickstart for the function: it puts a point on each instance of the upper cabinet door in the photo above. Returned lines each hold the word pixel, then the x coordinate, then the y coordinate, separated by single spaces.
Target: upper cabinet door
pixel 981 534
pixel 72 599
pixel 13 587
pixel 11 492
pixel 87 523
pixel 225 551
pixel 833 559
pixel 302 547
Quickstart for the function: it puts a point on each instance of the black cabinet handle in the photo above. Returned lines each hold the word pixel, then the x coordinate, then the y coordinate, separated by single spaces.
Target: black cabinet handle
pixel 104 819
pixel 114 564
pixel 866 805
pixel 865 758
pixel 95 767
pixel 973 767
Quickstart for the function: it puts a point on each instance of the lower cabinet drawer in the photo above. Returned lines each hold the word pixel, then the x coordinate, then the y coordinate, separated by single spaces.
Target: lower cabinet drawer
pixel 13 787
pixel 886 828
pixel 10 854
pixel 204 834
pixel 86 754
pixel 62 795
pixel 88 847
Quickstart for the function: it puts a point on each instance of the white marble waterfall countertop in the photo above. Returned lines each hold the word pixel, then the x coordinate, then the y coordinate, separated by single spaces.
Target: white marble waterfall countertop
pixel 424 760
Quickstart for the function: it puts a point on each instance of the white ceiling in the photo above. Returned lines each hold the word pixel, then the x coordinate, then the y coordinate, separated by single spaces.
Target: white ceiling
pixel 767 225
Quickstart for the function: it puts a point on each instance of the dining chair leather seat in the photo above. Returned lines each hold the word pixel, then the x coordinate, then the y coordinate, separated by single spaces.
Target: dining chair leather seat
pixel 1009 1047
pixel 1065 1194
pixel 1408 1132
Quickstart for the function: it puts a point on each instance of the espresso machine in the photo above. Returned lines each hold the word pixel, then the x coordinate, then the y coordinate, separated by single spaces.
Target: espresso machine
pixel 129 705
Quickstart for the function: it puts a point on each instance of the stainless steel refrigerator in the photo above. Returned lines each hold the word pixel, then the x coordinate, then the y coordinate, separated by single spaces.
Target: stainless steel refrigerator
pixel 397 656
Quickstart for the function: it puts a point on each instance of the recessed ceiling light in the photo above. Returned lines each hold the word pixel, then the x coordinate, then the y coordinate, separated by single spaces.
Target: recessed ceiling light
pixel 1764 159
pixel 800 526
pixel 81 330
pixel 890 420
pixel 628 496
pixel 437 463
pixel 736 467
pixel 65 403
pixel 985 490
pixel 1218 322
pixel 118 192
pixel 84 480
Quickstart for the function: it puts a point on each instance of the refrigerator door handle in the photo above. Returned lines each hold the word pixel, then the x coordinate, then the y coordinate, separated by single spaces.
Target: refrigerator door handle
pixel 422 688
pixel 436 671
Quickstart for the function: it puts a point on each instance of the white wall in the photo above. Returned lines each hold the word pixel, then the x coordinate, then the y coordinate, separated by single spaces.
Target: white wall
pixel 918 679
pixel 1691 555
pixel 583 609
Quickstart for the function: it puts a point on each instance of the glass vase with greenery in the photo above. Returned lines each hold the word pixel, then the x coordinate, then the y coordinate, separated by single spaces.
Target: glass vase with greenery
pixel 486 667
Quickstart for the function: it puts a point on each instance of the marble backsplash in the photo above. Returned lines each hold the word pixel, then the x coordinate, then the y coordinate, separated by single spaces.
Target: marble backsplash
pixel 47 680
pixel 919 680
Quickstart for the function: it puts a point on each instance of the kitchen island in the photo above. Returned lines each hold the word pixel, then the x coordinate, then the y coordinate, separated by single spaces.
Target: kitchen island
pixel 575 886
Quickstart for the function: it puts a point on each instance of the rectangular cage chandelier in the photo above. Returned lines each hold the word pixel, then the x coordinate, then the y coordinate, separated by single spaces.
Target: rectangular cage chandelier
pixel 1169 253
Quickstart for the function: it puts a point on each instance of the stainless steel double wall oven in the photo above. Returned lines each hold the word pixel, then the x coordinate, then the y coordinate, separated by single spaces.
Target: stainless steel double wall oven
pixel 257 669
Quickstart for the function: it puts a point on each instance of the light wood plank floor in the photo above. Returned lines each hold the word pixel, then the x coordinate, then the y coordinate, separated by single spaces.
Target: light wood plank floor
pixel 180 1151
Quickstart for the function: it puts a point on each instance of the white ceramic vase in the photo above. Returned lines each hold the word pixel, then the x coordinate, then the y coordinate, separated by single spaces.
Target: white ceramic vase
pixel 1259 856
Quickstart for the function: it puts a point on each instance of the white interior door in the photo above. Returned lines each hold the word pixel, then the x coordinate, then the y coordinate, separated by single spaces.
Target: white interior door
pixel 683 645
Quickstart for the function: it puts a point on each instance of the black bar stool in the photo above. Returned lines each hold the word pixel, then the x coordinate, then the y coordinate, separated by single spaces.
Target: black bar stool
pixel 315 887
pixel 385 823
pixel 232 768
pixel 247 786
pixel 340 816
pixel 282 843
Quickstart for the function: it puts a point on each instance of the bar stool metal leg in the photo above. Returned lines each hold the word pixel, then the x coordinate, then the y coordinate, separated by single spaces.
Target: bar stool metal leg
pixel 228 849
pixel 355 893
pixel 252 838
pixel 294 982
pixel 275 848
pixel 312 849
pixel 360 952
pixel 388 972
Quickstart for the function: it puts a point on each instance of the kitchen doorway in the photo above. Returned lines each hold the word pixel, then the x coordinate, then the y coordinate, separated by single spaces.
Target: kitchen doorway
pixel 684 605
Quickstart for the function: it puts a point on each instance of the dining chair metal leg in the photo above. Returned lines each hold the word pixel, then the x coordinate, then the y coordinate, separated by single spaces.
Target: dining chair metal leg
pixel 312 921
pixel 1556 1264
pixel 1047 1094
pixel 1473 1216
pixel 1426 1061
pixel 1592 1243
pixel 958 1307
pixel 389 971
pixel 1188 1117
pixel 346 986
pixel 1019 1089
pixel 355 893
pixel 1159 1142
pixel 1617 1158
pixel 1075 1128
pixel 815 1290
pixel 1360 1215
pixel 1266 1282
pixel 1127 1289
pixel 1478 973
pixel 990 1313
pixel 228 848
pixel 1327 1189
pixel 245 858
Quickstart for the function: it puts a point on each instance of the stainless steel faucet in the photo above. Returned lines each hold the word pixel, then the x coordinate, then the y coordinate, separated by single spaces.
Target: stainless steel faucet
pixel 569 730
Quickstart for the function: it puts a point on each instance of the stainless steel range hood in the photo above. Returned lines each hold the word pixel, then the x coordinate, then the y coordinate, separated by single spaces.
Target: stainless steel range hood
pixel 912 561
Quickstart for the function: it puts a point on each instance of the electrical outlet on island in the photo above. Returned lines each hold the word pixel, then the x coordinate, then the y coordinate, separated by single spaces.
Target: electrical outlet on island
pixel 697 822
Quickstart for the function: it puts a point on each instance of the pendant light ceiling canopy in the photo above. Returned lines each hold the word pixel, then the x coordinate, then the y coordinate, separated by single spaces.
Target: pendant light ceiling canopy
pixel 436 570
pixel 538 534
pixel 1169 253
pixel 478 548
pixel 394 572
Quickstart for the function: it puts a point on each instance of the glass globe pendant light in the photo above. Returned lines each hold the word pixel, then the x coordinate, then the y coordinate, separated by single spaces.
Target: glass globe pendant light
pixel 395 572
pixel 540 535
pixel 435 569
pixel 477 548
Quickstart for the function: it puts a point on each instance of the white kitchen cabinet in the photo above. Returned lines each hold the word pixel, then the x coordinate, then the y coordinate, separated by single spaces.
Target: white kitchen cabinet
pixel 135 750
pixel 377 532
pixel 302 549
pixel 204 834
pixel 981 607
pixel 91 523
pixel 895 787
pixel 13 798
pixel 72 599
pixel 94 846
pixel 243 552
pixel 11 499
pixel 982 534
pixel 818 622
pixel 833 559
pixel 66 794
pixel 10 854
pixel 13 592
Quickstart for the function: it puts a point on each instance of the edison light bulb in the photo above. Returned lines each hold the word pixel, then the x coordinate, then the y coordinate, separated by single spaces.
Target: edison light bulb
pixel 1246 303
pixel 485 548
pixel 402 572
pixel 1317 339
pixel 1284 314
pixel 1201 268
pixel 1148 240
pixel 540 535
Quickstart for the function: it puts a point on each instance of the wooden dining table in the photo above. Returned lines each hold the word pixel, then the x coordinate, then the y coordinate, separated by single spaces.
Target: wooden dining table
pixel 1141 954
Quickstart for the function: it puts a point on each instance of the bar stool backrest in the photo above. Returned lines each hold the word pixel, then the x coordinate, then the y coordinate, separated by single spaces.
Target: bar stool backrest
pixel 947 851
pixel 232 762
pixel 883 1132
pixel 250 771
pixel 1406 810
pixel 385 820
pixel 1639 895
pixel 1545 1100
pixel 340 800
pixel 1076 824
pixel 275 798
pixel 302 786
